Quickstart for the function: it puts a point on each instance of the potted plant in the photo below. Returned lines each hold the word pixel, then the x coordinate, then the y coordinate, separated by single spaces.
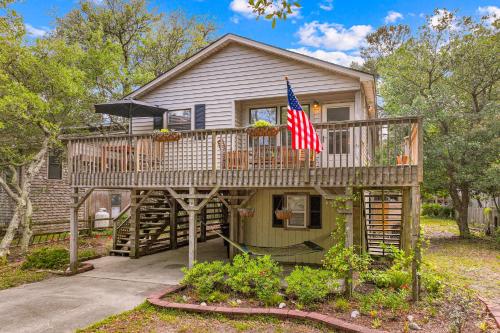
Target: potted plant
pixel 246 212
pixel 283 214
pixel 262 128
pixel 165 135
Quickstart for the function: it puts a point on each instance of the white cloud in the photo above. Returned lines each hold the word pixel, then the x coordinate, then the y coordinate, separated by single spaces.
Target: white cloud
pixel 493 13
pixel 36 32
pixel 336 57
pixel 326 5
pixel 333 36
pixel 235 19
pixel 393 16
pixel 441 16
pixel 242 7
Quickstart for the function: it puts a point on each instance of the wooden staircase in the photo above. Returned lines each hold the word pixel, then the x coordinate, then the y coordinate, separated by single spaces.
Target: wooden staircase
pixel 154 214
pixel 383 215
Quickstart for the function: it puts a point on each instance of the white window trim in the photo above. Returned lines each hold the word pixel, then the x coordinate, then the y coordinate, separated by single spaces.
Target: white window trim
pixel 190 108
pixel 306 211
pixel 350 105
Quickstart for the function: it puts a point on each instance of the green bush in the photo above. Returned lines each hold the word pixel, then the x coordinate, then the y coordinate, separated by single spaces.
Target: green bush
pixel 47 258
pixel 432 283
pixel 205 277
pixel 340 260
pixel 436 210
pixel 388 299
pixel 342 305
pixel 392 278
pixel 259 276
pixel 309 285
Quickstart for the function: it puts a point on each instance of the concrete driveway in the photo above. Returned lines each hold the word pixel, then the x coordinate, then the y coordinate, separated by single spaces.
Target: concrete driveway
pixel 117 284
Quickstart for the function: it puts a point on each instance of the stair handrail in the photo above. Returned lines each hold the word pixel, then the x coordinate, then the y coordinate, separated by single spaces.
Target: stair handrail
pixel 117 224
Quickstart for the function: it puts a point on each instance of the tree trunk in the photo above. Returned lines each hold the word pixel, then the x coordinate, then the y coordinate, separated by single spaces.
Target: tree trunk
pixel 27 231
pixel 461 199
pixel 11 232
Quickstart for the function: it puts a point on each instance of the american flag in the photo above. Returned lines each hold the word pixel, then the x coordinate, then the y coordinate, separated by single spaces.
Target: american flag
pixel 304 135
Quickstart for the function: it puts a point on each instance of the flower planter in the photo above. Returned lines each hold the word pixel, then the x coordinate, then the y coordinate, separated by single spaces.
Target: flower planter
pixel 262 131
pixel 246 212
pixel 402 159
pixel 283 214
pixel 167 137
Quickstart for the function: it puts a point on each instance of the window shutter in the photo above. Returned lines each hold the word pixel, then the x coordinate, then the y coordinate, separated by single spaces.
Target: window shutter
pixel 315 212
pixel 199 116
pixel 277 204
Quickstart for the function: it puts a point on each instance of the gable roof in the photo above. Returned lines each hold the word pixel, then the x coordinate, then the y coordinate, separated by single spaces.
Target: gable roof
pixel 367 80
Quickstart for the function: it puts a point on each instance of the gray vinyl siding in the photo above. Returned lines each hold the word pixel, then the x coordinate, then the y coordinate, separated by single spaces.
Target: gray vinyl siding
pixel 239 73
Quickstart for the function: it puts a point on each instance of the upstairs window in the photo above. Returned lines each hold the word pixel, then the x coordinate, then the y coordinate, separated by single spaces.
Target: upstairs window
pixel 55 164
pixel 157 122
pixel 179 120
pixel 269 114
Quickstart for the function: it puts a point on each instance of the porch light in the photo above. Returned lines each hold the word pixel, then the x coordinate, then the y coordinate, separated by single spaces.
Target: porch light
pixel 316 107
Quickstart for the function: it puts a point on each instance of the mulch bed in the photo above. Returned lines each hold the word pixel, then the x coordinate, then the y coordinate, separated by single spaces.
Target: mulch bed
pixel 185 299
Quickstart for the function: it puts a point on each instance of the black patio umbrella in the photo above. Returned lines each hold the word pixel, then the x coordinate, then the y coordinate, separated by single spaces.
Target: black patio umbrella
pixel 129 108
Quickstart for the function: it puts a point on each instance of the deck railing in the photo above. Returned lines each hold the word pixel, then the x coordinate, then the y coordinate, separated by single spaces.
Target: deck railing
pixel 369 152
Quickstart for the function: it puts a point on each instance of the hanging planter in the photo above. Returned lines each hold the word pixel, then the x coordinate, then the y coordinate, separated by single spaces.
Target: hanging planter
pixel 164 135
pixel 246 212
pixel 262 128
pixel 283 214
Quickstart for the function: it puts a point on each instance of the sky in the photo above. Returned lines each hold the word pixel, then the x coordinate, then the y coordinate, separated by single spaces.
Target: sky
pixel 331 30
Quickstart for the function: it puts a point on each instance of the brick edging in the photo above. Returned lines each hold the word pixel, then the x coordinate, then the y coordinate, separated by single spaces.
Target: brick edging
pixel 493 309
pixel 156 299
pixel 82 268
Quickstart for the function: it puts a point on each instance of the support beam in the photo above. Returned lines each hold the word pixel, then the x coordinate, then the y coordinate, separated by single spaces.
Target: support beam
pixel 233 232
pixel 134 223
pixel 192 229
pixel 349 236
pixel 173 224
pixel 415 265
pixel 73 230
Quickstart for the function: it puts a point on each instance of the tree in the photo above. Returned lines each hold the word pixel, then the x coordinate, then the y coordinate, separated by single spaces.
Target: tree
pixel 449 74
pixel 130 44
pixel 41 90
pixel 273 10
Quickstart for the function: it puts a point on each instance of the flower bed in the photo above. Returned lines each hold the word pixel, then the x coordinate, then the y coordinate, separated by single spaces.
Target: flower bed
pixel 381 299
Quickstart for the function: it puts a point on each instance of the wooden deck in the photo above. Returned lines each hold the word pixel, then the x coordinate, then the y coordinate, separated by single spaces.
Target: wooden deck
pixel 379 152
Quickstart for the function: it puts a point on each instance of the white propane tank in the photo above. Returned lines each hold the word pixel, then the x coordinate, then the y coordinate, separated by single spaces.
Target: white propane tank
pixel 102 218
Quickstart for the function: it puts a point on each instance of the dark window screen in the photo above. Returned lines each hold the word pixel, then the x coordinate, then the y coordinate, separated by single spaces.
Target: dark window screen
pixel 277 204
pixel 315 212
pixel 55 165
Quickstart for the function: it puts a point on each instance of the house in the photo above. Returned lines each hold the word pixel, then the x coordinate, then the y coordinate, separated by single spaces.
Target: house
pixel 51 198
pixel 213 165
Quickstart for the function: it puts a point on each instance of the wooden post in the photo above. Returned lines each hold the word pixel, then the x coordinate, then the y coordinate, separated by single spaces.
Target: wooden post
pixel 203 225
pixel 349 237
pixel 173 224
pixel 213 174
pixel 415 265
pixel 134 224
pixel 406 222
pixel 73 230
pixel 233 232
pixel 193 237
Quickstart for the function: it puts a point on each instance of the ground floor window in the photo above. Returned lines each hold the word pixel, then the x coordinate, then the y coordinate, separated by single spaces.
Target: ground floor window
pixel 306 210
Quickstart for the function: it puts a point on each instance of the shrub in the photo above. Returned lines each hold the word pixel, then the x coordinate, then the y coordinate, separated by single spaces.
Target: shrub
pixel 205 277
pixel 340 260
pixel 436 210
pixel 341 305
pixel 384 299
pixel 309 285
pixel 432 283
pixel 216 297
pixel 392 278
pixel 47 258
pixel 259 276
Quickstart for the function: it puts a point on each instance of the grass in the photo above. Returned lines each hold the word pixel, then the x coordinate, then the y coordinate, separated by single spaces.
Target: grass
pixel 473 262
pixel 147 318
pixel 13 276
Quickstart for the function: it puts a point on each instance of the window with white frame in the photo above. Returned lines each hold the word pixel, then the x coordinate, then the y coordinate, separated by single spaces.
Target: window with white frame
pixel 179 120
pixel 297 203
